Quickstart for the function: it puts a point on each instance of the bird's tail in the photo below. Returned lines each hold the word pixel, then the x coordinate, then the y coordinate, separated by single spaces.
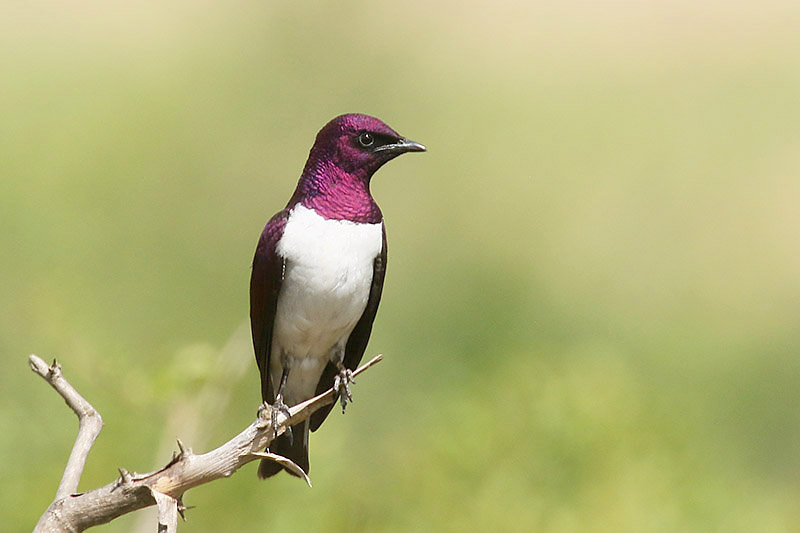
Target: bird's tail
pixel 295 449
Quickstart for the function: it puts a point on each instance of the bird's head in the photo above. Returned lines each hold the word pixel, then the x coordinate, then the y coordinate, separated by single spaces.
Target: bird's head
pixel 347 152
pixel 359 144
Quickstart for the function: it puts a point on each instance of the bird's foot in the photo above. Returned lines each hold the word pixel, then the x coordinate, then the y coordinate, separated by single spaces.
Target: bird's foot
pixel 280 408
pixel 341 384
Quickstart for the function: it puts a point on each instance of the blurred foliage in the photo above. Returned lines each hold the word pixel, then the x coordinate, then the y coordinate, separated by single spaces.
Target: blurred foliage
pixel 591 313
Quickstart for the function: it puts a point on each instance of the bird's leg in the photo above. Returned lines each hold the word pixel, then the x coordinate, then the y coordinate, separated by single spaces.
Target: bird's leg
pixel 280 407
pixel 342 381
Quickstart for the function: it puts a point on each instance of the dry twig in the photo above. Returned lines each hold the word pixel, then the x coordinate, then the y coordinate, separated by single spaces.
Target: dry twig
pixel 71 512
pixel 89 423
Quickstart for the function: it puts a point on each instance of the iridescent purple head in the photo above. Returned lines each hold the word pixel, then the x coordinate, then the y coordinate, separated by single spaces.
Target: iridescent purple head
pixel 347 152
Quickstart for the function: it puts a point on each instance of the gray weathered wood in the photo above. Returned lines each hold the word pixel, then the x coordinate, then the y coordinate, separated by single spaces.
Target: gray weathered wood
pixel 77 512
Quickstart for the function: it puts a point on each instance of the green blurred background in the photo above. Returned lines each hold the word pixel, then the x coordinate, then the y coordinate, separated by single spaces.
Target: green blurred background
pixel 591 314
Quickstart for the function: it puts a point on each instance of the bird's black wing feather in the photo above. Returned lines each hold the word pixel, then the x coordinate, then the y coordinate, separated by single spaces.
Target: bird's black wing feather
pixel 357 342
pixel 265 285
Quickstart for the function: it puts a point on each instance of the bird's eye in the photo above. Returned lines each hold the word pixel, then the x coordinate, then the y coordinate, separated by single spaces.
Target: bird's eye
pixel 366 139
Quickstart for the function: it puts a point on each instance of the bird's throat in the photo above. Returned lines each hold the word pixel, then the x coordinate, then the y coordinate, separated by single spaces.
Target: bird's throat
pixel 338 195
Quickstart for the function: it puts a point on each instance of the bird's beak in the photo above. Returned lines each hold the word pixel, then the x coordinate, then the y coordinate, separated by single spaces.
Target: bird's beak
pixel 402 146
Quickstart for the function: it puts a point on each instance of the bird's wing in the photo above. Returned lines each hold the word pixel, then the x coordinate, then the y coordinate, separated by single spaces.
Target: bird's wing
pixel 265 285
pixel 357 342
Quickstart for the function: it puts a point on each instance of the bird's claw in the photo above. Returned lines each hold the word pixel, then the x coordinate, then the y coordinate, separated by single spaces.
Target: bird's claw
pixel 282 408
pixel 341 384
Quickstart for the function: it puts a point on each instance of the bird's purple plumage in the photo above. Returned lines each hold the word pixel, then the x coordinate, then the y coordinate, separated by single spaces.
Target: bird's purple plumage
pixel 335 185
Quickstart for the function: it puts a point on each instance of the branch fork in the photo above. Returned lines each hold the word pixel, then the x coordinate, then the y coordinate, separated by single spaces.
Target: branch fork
pixel 72 512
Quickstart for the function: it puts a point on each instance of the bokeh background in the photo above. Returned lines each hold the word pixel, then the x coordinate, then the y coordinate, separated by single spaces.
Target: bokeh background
pixel 591 314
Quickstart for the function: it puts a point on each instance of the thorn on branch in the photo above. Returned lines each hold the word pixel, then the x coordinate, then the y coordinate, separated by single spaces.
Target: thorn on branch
pixel 184 451
pixel 183 508
pixel 125 479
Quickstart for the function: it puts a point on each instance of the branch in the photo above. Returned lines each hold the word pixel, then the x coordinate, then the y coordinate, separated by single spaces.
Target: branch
pixel 89 423
pixel 167 513
pixel 165 487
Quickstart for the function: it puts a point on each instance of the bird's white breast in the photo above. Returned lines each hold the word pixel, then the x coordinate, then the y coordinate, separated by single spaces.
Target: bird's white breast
pixel 329 267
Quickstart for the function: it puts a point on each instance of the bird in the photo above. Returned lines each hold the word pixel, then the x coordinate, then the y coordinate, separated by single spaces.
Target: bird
pixel 317 277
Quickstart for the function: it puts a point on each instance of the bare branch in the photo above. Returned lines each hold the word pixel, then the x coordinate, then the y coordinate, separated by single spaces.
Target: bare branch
pixel 283 461
pixel 77 512
pixel 301 411
pixel 89 423
pixel 167 512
